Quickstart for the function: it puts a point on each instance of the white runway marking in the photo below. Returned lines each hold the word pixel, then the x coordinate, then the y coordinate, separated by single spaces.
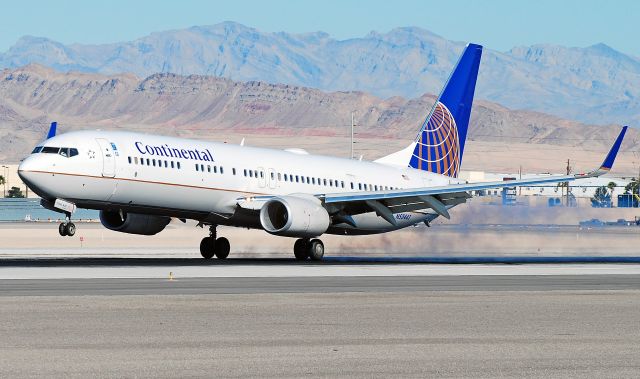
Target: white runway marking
pixel 286 270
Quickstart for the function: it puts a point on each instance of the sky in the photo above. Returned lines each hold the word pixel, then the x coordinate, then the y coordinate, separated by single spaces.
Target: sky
pixel 497 24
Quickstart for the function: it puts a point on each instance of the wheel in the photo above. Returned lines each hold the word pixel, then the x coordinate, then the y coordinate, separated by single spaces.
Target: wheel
pixel 300 249
pixel 222 248
pixel 70 229
pixel 207 247
pixel 62 230
pixel 316 250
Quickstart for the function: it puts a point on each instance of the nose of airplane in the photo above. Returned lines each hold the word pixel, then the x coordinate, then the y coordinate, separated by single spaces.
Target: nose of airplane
pixel 26 169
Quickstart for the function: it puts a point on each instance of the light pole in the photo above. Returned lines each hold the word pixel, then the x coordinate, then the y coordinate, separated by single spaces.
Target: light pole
pixel 6 179
pixel 353 124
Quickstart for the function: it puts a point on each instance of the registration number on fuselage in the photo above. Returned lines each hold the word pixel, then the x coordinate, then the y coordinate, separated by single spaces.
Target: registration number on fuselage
pixel 403 216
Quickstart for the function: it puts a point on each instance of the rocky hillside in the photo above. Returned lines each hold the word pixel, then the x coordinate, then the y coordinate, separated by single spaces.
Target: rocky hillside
pixel 207 107
pixel 596 84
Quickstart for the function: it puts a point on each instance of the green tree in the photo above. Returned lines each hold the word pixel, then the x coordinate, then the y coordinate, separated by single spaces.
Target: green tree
pixel 632 187
pixel 612 186
pixel 15 192
pixel 601 199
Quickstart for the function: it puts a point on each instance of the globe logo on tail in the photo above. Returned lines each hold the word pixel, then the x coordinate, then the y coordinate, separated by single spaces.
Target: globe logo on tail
pixel 438 145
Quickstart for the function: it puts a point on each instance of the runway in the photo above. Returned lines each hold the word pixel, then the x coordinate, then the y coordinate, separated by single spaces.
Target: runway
pixel 363 284
pixel 124 317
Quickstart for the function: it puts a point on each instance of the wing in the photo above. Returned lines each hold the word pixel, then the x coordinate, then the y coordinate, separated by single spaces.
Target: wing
pixel 386 203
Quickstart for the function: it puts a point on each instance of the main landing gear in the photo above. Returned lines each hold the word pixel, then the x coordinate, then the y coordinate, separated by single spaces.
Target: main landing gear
pixel 67 228
pixel 210 246
pixel 305 248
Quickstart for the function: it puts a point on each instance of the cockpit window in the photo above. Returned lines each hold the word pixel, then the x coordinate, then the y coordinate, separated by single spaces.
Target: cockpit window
pixel 66 152
pixel 50 150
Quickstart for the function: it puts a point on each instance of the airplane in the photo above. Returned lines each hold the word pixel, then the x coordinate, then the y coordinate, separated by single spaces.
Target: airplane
pixel 139 182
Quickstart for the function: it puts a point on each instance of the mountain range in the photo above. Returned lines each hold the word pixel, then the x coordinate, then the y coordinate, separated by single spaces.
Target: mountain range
pixel 595 84
pixel 210 107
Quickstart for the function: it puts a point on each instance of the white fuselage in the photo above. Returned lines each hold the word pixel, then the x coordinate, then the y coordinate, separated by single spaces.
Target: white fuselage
pixel 203 180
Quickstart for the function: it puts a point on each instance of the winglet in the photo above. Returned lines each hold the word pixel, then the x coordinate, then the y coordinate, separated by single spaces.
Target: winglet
pixel 52 130
pixel 611 157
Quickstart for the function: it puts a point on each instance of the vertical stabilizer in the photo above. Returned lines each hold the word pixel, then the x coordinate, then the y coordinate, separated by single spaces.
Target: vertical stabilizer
pixel 440 143
pixel 52 130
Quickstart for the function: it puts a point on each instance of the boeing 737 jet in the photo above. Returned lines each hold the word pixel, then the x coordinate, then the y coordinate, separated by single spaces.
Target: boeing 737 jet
pixel 140 182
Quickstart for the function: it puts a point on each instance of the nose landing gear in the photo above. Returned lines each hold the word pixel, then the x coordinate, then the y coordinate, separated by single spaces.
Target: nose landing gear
pixel 67 228
pixel 210 246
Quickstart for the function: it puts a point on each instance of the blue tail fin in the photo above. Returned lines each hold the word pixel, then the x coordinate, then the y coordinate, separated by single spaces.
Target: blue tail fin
pixel 440 143
pixel 52 130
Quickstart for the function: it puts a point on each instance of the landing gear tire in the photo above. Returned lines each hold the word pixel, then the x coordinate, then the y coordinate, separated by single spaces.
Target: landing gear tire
pixel 62 229
pixel 67 229
pixel 70 229
pixel 316 250
pixel 300 249
pixel 207 247
pixel 222 248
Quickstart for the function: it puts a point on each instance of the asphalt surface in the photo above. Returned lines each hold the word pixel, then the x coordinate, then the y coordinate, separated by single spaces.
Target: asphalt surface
pixel 324 334
pixel 345 324
pixel 260 285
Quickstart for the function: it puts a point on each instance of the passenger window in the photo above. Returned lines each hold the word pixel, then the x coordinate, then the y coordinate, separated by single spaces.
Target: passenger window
pixel 297 179
pixel 208 168
pixel 273 176
pixel 279 176
pixel 360 186
pixel 221 170
pixel 135 159
pixel 261 174
pixel 215 169
pixel 352 185
pixel 245 172
pixel 313 181
pixel 172 164
pixel 166 164
pixel 178 165
pixel 197 167
pixel 342 184
pixel 324 181
pixel 129 158
pixel 233 171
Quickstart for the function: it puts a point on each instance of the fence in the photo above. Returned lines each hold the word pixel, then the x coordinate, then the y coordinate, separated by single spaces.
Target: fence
pixel 31 210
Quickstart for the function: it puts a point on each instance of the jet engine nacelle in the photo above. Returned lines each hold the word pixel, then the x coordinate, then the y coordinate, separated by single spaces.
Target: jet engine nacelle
pixel 294 216
pixel 133 223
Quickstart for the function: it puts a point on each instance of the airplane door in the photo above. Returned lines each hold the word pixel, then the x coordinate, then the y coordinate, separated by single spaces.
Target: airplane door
pixel 108 158
pixel 262 181
pixel 271 177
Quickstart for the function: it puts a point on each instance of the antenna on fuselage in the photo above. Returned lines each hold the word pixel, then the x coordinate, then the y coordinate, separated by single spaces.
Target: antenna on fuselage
pixel 242 142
